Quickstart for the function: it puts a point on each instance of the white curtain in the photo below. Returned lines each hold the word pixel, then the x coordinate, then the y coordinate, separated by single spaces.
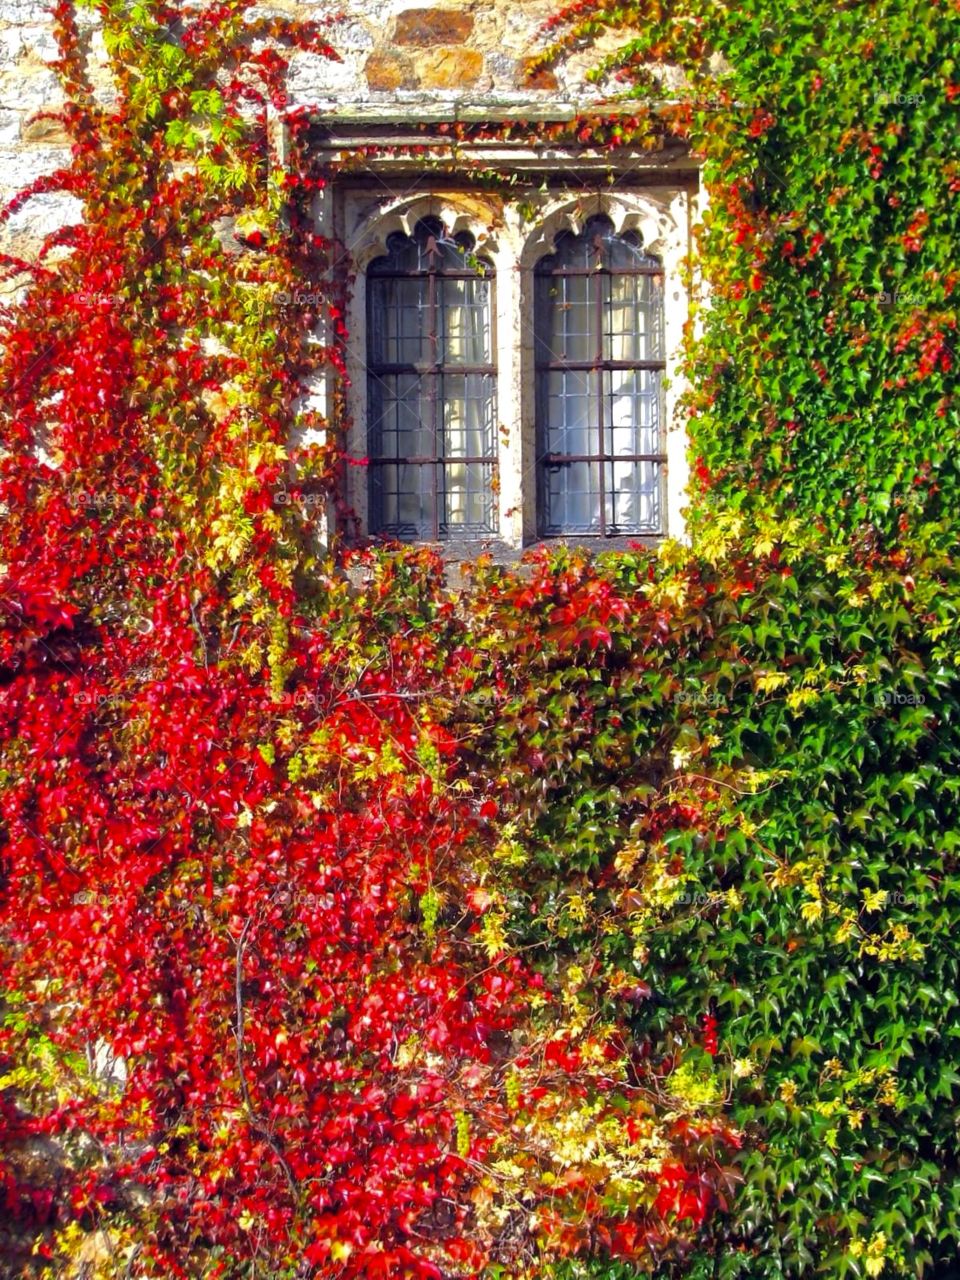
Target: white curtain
pixel 468 400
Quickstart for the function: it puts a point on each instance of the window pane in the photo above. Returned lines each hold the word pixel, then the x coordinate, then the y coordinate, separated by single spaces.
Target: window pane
pixel 625 253
pixel 399 321
pixel 572 411
pixel 401 500
pixel 599 306
pixel 568 328
pixel 633 318
pixel 469 430
pixel 465 336
pixel 426 310
pixel 572 498
pixel 633 497
pixel 468 503
pixel 631 411
pixel 401 415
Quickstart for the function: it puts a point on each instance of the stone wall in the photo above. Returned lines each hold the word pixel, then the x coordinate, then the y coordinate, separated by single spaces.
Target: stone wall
pixel 394 52
pixel 451 53
pixel 28 147
pixel 451 59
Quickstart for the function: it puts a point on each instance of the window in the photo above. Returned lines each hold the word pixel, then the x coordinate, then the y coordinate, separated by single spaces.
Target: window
pixel 431 383
pixel 507 360
pixel 599 346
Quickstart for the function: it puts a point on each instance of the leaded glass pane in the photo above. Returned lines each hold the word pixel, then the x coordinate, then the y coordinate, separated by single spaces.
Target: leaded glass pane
pixel 468 499
pixel 401 499
pixel 399 332
pixel 572 411
pixel 468 416
pixel 400 416
pixel 631 410
pixel 634 501
pixel 633 317
pixel 464 315
pixel 572 498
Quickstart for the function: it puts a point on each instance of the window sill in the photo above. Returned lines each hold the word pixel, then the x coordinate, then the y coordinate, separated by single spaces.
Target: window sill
pixel 458 552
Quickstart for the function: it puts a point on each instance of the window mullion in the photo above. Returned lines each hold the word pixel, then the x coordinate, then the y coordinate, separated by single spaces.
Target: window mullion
pixel 433 393
pixel 601 465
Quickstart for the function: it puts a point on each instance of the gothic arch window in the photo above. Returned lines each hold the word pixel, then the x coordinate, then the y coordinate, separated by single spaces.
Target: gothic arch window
pixel 431 387
pixel 599 353
pixel 505 364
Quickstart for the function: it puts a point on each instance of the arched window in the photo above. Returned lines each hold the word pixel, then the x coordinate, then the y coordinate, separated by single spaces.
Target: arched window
pixel 431 388
pixel 599 352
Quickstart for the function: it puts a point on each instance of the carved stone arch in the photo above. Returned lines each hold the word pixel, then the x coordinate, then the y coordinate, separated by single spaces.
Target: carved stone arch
pixel 458 211
pixel 648 217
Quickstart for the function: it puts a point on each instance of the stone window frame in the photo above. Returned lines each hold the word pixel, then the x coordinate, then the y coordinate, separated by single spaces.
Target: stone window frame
pixel 513 236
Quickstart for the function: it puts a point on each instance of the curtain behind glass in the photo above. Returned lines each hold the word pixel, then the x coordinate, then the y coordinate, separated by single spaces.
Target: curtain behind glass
pixel 468 426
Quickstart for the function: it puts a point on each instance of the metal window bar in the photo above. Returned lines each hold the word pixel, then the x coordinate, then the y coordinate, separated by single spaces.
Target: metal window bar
pixel 563 266
pixel 433 254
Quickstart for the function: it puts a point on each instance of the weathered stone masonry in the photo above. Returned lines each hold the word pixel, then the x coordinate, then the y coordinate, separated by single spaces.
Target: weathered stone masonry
pixel 423 62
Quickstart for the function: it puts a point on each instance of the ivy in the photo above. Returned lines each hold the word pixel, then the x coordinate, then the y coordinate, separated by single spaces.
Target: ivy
pixel 594 920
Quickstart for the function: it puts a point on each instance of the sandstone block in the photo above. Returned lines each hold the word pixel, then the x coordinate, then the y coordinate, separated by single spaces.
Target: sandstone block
pixel 36 90
pixel 20 12
pixel 23 233
pixel 312 75
pixel 19 166
pixel 433 27
pixel 450 68
pixel 388 71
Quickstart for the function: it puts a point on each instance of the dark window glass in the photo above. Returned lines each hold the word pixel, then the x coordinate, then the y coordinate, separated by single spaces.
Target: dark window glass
pixel 431 388
pixel 599 361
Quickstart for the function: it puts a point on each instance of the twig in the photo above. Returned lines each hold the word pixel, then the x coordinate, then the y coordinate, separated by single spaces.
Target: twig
pixel 702 777
pixel 200 635
pixel 244 1088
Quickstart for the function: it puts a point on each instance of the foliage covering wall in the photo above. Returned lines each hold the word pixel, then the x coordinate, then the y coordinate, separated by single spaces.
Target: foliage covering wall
pixel 595 920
